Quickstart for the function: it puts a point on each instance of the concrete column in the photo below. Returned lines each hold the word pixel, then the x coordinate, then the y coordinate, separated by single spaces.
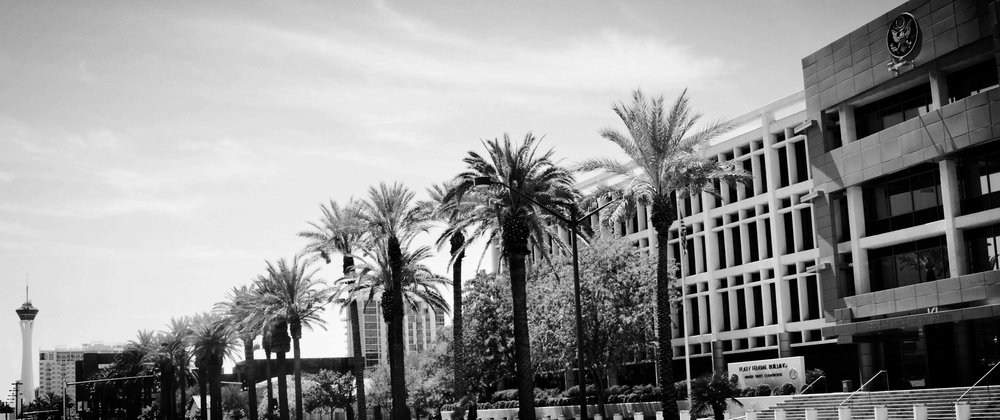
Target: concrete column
pixel 919 412
pixel 637 416
pixel 881 412
pixel 962 411
pixel 659 415
pixel 856 218
pixel 797 244
pixel 643 217
pixel 758 182
pixel 955 238
pixel 811 413
pixel 939 87
pixel 866 361
pixel 718 357
pixel 848 130
pixel 616 417
pixel 699 253
pixel 765 293
pixel 779 414
pixel 745 243
pixel 784 344
pixel 751 415
pixel 703 316
pixel 843 413
pixel 963 353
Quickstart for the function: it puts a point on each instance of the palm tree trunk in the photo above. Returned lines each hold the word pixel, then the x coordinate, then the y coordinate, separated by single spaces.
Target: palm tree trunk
pixel 282 388
pixel 359 361
pixel 270 385
pixel 522 345
pixel 297 367
pixel 662 217
pixel 456 333
pixel 251 376
pixel 182 374
pixel 397 375
pixel 216 390
pixel 203 391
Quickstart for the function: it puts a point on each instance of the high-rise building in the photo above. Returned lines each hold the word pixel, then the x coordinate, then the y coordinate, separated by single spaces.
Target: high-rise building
pixel 27 314
pixel 421 329
pixel 59 365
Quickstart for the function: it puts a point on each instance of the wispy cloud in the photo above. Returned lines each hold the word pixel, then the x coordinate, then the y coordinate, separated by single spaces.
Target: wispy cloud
pixel 108 207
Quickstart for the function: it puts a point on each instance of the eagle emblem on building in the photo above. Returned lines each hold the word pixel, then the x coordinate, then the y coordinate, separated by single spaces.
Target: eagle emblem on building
pixel 903 39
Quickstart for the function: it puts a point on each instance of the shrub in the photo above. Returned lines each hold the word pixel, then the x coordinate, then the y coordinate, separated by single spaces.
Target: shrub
pixel 787 388
pixel 763 390
pixel 749 392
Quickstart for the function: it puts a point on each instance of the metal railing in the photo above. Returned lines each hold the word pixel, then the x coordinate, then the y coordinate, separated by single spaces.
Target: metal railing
pixel 803 390
pixel 977 383
pixel 862 387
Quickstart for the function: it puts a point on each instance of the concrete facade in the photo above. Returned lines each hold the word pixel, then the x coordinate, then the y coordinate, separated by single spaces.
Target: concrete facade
pixel 893 160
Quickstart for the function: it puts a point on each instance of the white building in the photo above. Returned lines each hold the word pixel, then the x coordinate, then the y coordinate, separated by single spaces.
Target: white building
pixel 59 365
pixel 421 330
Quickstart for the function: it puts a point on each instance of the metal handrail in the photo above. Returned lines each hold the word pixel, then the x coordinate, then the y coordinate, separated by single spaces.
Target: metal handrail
pixel 977 382
pixel 810 385
pixel 862 387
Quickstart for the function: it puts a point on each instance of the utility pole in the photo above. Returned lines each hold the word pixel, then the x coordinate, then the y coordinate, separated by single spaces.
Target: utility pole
pixel 17 397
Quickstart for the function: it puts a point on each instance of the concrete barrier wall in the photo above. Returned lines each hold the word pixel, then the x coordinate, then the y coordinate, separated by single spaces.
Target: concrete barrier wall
pixel 627 410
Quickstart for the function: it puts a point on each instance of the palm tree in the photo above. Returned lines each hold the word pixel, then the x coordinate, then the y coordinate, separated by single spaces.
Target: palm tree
pixel 133 361
pixel 277 341
pixel 393 218
pixel 712 393
pixel 518 223
pixel 452 213
pixel 175 343
pixel 241 317
pixel 290 292
pixel 211 342
pixel 668 162
pixel 340 232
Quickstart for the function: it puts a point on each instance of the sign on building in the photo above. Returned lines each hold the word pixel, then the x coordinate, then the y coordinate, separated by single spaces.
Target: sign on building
pixel 774 372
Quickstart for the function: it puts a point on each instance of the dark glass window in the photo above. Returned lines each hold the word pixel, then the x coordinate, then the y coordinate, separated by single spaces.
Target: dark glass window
pixel 758 306
pixel 720 240
pixel 840 217
pixel 831 130
pixel 807 229
pixel 763 173
pixel 972 80
pixel 907 264
pixel 748 186
pixel 737 246
pixel 982 244
pixel 774 301
pixel 695 326
pixel 752 242
pixel 783 167
pixel 793 298
pixel 979 175
pixel 741 308
pixel 885 113
pixel 726 326
pixel 846 275
pixel 909 199
pixel 789 233
pixel 812 297
pixel 801 163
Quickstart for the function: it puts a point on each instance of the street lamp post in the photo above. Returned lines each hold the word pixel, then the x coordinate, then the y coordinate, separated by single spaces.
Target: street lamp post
pixel 573 223
pixel 684 308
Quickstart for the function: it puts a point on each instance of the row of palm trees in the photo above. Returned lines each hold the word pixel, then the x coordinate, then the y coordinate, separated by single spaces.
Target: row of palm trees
pixel 376 238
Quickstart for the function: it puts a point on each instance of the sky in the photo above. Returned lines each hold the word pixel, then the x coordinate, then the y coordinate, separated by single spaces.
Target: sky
pixel 153 155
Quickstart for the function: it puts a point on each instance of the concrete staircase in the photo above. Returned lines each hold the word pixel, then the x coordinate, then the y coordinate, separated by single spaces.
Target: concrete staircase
pixel 984 402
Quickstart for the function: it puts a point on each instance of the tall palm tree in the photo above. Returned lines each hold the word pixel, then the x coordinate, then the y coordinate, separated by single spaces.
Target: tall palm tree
pixel 290 292
pixel 277 341
pixel 211 342
pixel 663 147
pixel 393 218
pixel 134 360
pixel 176 339
pixel 241 317
pixel 517 223
pixel 340 232
pixel 452 212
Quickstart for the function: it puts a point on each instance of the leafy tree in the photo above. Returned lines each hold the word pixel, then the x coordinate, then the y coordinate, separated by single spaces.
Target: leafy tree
pixel 490 330
pixel 667 154
pixel 427 378
pixel 517 223
pixel 290 293
pixel 330 390
pixel 340 232
pixel 712 393
pixel 615 283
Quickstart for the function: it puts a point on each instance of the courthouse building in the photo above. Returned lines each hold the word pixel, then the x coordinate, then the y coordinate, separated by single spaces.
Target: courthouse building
pixel 868 239
pixel 906 171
